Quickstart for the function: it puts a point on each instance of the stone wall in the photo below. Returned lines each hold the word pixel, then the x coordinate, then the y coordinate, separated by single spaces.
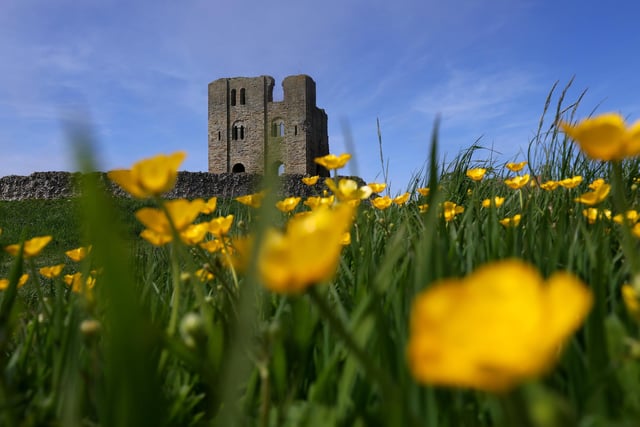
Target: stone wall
pixel 57 185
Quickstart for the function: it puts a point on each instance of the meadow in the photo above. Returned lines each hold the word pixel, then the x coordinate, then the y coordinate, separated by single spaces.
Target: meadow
pixel 485 295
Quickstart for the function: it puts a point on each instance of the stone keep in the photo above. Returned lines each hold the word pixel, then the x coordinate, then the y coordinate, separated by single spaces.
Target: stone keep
pixel 249 132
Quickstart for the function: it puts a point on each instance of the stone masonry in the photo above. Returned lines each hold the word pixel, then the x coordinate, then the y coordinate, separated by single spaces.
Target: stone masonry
pixel 249 132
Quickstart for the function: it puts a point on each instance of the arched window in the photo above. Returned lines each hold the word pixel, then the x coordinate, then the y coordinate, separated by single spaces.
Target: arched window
pixel 238 131
pixel 277 128
pixel 281 169
pixel 233 97
pixel 242 96
pixel 237 168
pixel 277 167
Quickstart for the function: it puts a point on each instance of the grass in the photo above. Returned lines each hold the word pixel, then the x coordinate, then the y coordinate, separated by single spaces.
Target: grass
pixel 153 345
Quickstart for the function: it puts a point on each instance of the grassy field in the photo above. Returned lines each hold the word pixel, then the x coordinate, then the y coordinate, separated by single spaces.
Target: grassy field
pixel 439 310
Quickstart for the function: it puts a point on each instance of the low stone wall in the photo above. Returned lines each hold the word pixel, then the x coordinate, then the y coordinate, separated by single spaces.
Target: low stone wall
pixel 57 185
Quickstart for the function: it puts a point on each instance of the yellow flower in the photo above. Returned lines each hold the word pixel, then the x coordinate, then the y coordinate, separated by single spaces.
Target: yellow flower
pixel 401 199
pixel 346 238
pixel 596 184
pixel 32 247
pixel 377 187
pixel 348 189
pixel 631 215
pixel 631 300
pixel 307 253
pixel 213 246
pixel 605 137
pixel 149 177
pixel 78 254
pixel 4 283
pixel 516 167
pixel 182 213
pixel 499 326
pixel 517 182
pixel 511 222
pixel 572 182
pixel 381 203
pixel 288 204
pixel 310 180
pixel 252 200
pixel 497 202
pixel 450 210
pixel 424 191
pixel 220 226
pixel 76 282
pixel 594 197
pixel 476 174
pixel 194 233
pixel 636 230
pixel 423 208
pixel 331 161
pixel 593 214
pixel 209 206
pixel 549 185
pixel 204 275
pixel 313 201
pixel 51 271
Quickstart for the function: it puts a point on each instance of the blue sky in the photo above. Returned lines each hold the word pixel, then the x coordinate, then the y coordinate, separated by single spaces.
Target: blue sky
pixel 138 71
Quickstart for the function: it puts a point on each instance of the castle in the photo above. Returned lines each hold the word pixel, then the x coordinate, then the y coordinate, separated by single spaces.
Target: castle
pixel 249 132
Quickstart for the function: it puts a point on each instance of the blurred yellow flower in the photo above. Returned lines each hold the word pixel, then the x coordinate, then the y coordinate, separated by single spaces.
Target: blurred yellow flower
pixel 32 247
pixel 605 137
pixel 450 210
pixel 516 167
pixel 549 185
pixel 594 197
pixel 517 182
pixel 497 202
pixel 307 253
pixel 78 254
pixel 636 230
pixel 514 221
pixel 149 177
pixel 310 180
pixel 346 238
pixel 424 191
pixel 631 300
pixel 77 284
pixel 204 275
pixel 382 203
pixel 4 283
pixel 377 187
pixel 631 215
pixel 288 204
pixel 182 213
pixel 51 271
pixel 596 184
pixel 423 208
pixel 253 200
pixel 594 214
pixel 194 233
pixel 331 161
pixel 348 189
pixel 209 206
pixel 499 326
pixel 313 201
pixel 401 199
pixel 572 182
pixel 476 174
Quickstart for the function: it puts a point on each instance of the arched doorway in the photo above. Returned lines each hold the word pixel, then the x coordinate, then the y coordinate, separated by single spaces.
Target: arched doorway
pixel 238 168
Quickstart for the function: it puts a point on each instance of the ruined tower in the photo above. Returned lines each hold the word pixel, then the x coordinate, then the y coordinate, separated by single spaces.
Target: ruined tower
pixel 249 132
